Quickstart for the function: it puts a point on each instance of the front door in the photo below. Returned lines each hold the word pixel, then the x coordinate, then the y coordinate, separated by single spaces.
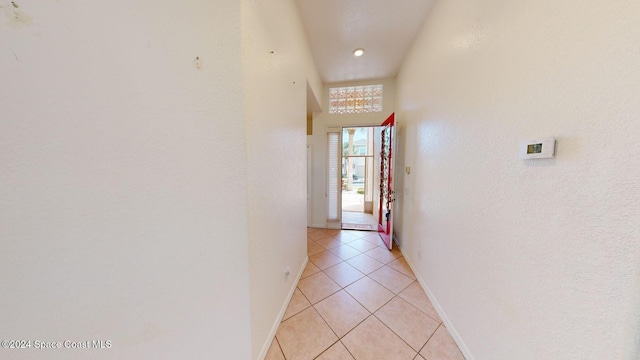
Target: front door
pixel 387 196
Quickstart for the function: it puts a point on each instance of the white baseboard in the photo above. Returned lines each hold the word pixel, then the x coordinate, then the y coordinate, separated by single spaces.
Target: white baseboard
pixel 274 328
pixel 445 319
pixel 318 226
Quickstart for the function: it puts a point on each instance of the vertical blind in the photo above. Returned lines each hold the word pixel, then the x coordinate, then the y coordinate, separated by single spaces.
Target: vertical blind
pixel 334 178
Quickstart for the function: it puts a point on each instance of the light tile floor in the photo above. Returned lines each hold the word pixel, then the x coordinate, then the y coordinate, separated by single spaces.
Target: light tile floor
pixel 358 300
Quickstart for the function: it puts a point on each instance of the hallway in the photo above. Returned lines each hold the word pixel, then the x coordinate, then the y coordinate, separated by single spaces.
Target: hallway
pixel 357 300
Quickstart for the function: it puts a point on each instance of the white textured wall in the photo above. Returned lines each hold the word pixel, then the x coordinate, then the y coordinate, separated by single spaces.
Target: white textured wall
pixel 527 259
pixel 122 179
pixel 318 140
pixel 277 65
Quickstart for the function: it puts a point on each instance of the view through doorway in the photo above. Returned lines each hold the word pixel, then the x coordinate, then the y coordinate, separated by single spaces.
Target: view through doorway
pixel 359 177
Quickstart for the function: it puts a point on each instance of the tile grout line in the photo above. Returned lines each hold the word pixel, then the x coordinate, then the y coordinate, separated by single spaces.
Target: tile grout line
pixel 429 339
pixel 330 328
pixel 348 294
pixel 383 305
pixel 353 328
pixel 280 347
pixel 396 334
pixel 385 324
pixel 395 295
pixel 292 315
pixel 429 316
pixel 398 293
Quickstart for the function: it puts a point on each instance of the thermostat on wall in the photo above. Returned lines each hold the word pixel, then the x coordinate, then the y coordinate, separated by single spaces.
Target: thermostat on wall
pixel 538 149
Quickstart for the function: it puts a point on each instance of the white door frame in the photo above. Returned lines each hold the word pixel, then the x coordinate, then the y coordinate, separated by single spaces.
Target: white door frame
pixel 309 184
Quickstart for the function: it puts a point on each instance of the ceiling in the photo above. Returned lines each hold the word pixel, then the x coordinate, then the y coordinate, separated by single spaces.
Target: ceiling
pixel 384 28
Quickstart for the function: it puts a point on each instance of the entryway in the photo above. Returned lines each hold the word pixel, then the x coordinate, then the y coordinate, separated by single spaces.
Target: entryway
pixel 358 178
pixel 360 175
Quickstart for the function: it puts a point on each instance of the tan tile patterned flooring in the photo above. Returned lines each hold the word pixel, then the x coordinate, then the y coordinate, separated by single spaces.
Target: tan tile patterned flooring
pixel 358 300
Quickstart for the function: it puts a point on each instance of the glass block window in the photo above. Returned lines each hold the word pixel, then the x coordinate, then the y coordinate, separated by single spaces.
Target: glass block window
pixel 355 99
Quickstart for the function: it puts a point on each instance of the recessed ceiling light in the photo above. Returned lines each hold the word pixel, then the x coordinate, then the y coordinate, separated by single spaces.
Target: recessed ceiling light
pixel 358 52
